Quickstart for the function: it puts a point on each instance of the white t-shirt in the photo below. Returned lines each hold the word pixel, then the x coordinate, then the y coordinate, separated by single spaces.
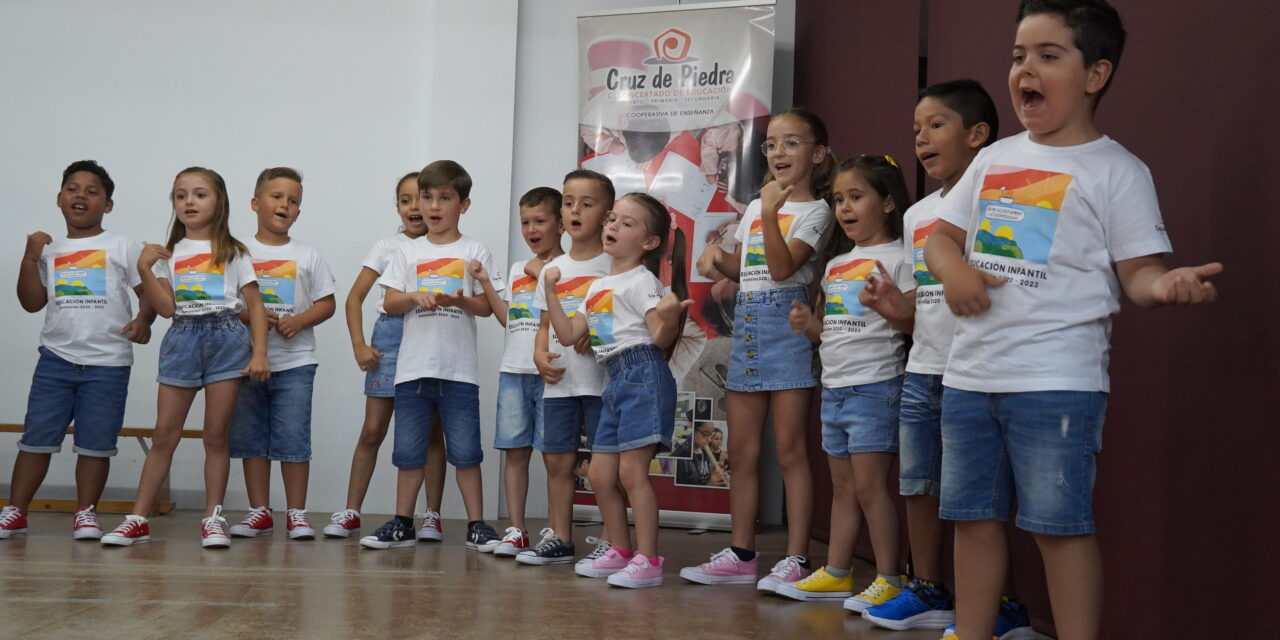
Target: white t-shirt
pixel 615 307
pixel 200 287
pixel 291 278
pixel 379 255
pixel 522 321
pixel 1053 221
pixel 89 282
pixel 935 324
pixel 440 343
pixel 858 344
pixel 582 375
pixel 806 221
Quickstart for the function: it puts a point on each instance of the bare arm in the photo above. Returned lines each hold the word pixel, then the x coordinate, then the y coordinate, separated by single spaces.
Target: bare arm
pixel 568 330
pixel 805 322
pixel 32 294
pixel 1149 283
pixel 783 258
pixel 965 287
pixel 882 295
pixel 158 293
pixel 496 303
pixel 138 329
pixel 259 368
pixel 318 312
pixel 542 355
pixel 664 320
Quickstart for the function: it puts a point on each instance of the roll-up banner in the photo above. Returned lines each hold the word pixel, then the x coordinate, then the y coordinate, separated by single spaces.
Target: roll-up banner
pixel 674 103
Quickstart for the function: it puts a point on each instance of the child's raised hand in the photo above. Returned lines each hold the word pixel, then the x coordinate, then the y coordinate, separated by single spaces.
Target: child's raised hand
pixel 534 267
pixel 799 317
pixel 542 361
pixel 139 332
pixel 151 254
pixel 773 196
pixel 1186 285
pixel 288 326
pixel 966 291
pixel 478 272
pixel 367 357
pixel 883 295
pixel 671 306
pixel 449 299
pixel 707 261
pixel 551 277
pixel 258 370
pixel 35 245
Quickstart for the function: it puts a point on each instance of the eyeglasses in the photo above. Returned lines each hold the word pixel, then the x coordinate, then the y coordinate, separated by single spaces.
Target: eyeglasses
pixel 789 147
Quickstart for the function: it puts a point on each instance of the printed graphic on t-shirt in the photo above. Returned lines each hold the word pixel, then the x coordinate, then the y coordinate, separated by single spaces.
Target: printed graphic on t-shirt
pixel 572 291
pixel 841 288
pixel 80 279
pixel 521 305
pixel 600 318
pixel 919 239
pixel 755 239
pixel 198 280
pixel 1020 209
pixel 277 282
pixel 441 275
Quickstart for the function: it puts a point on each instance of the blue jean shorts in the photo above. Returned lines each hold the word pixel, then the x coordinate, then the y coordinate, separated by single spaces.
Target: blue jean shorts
pixel 1040 446
pixel 639 403
pixel 567 423
pixel 767 355
pixel 61 393
pixel 201 350
pixel 380 381
pixel 273 417
pixel 519 409
pixel 861 418
pixel 416 404
pixel 920 436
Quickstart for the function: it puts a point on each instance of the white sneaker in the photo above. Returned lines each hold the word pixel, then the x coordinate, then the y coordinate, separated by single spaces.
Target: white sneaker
pixel 256 523
pixel 343 524
pixel 86 525
pixel 213 530
pixel 297 525
pixel 431 530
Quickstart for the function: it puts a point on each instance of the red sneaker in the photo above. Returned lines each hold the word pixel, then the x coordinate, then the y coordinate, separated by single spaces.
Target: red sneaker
pixel 213 530
pixel 133 529
pixel 256 523
pixel 12 522
pixel 431 530
pixel 299 528
pixel 343 524
pixel 86 525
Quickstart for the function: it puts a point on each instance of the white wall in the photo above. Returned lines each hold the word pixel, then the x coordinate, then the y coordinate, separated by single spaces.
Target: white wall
pixel 352 94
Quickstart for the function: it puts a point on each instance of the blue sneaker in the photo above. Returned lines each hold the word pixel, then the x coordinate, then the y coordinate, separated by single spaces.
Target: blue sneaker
pixel 920 606
pixel 1012 622
pixel 394 534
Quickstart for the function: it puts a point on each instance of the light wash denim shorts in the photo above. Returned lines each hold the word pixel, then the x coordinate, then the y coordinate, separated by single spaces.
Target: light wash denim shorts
pixel 639 402
pixel 861 418
pixel 61 392
pixel 380 381
pixel 767 355
pixel 273 417
pixel 920 436
pixel 201 350
pixel 519 409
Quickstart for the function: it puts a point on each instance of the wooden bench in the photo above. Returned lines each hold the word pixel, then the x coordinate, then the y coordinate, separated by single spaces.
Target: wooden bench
pixel 163 503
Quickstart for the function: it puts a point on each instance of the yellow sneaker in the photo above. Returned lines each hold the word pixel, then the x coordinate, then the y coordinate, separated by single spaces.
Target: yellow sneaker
pixel 879 592
pixel 820 585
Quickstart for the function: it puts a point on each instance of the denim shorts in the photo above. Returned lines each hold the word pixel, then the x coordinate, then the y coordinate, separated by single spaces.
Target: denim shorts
pixel 416 404
pixel 861 418
pixel 273 417
pixel 519 409
pixel 61 393
pixel 1040 446
pixel 639 403
pixel 380 381
pixel 201 350
pixel 767 355
pixel 564 423
pixel 920 436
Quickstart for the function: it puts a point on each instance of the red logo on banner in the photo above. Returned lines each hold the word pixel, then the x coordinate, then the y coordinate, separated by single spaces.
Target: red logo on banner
pixel 672 45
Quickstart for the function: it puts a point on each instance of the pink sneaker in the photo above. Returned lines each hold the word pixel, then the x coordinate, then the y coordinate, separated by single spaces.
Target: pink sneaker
pixel 609 563
pixel 133 529
pixel 213 530
pixel 12 522
pixel 86 525
pixel 787 570
pixel 638 574
pixel 342 524
pixel 723 568
pixel 256 523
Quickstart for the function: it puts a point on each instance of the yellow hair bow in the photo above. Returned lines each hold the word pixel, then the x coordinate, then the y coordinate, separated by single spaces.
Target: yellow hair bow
pixel 888 158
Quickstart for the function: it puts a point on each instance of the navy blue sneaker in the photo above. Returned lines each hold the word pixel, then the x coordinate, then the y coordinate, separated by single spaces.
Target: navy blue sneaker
pixel 921 605
pixel 480 535
pixel 1012 622
pixel 551 550
pixel 394 534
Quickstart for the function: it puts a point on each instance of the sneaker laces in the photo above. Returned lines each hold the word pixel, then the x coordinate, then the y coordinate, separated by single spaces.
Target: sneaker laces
pixel 549 540
pixel 130 523
pixel 513 534
pixel 256 516
pixel 9 515
pixel 344 516
pixel 87 518
pixel 875 590
pixel 633 568
pixel 725 552
pixel 216 524
pixel 430 519
pixel 786 563
pixel 298 518
pixel 602 546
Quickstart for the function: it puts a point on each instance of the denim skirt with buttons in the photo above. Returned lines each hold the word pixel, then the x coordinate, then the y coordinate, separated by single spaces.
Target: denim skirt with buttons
pixel 767 355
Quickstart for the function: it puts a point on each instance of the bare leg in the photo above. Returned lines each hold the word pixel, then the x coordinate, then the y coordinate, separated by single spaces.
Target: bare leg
pixel 91 479
pixel 295 476
pixel 172 404
pixel 515 477
pixel 1073 569
pixel 471 486
pixel 924 532
pixel 560 493
pixel 603 474
pixel 790 412
pixel 871 473
pixel 219 404
pixel 746 413
pixel 377 416
pixel 257 481
pixel 982 558
pixel 634 472
pixel 436 466
pixel 29 470
pixel 407 483
pixel 846 514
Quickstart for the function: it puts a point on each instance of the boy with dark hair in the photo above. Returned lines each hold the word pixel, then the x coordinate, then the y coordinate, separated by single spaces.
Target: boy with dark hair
pixel 1034 245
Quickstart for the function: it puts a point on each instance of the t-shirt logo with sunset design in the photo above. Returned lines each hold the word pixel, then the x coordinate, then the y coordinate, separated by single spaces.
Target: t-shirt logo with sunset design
pixel 1020 209
pixel 755 239
pixel 600 318
pixel 571 292
pixel 80 273
pixel 521 305
pixel 918 241
pixel 441 275
pixel 277 282
pixel 198 278
pixel 843 284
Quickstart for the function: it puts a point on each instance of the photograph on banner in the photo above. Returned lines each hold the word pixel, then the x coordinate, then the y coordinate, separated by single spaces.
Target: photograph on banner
pixel 581 466
pixel 683 435
pixel 707 462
